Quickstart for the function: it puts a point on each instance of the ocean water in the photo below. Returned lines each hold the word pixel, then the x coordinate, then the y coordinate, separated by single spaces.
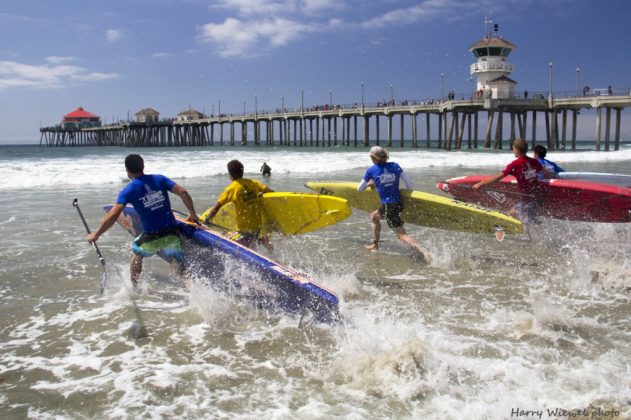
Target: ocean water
pixel 486 330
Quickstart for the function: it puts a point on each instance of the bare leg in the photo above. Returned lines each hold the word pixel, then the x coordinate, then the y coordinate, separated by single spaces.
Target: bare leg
pixel 266 243
pixel 178 269
pixel 375 217
pixel 412 244
pixel 135 268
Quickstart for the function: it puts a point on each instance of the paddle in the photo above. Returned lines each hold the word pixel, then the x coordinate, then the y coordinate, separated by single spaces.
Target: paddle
pixel 137 330
pixel 75 203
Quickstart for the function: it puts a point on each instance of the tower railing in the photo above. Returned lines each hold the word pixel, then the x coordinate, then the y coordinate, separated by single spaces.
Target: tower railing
pixel 486 66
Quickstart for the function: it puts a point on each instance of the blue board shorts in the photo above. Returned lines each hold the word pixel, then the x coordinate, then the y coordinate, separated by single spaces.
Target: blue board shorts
pixel 166 241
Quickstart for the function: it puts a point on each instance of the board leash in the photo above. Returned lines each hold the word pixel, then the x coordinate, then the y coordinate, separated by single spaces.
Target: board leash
pixel 75 204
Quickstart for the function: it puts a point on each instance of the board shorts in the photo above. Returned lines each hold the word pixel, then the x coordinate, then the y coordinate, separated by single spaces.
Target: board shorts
pixel 392 213
pixel 166 241
pixel 527 210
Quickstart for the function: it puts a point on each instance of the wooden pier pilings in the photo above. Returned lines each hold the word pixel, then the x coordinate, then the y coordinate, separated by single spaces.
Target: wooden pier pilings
pixel 456 126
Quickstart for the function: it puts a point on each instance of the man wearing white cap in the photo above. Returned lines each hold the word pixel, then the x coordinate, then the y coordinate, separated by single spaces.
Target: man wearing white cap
pixel 384 176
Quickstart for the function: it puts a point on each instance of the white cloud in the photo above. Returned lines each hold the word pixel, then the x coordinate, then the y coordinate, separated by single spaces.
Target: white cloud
pixel 53 59
pixel 258 7
pixel 317 6
pixel 279 7
pixel 423 10
pixel 261 25
pixel 258 26
pixel 236 38
pixel 113 35
pixel 14 74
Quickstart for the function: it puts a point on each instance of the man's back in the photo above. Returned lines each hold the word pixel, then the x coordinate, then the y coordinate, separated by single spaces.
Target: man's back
pixel 245 195
pixel 525 170
pixel 150 198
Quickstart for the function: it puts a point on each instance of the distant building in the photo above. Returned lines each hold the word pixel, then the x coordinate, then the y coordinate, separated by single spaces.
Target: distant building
pixel 80 118
pixel 147 115
pixel 491 67
pixel 502 87
pixel 190 114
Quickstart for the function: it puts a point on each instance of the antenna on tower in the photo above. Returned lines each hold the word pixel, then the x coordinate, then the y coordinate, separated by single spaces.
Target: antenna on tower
pixel 487 27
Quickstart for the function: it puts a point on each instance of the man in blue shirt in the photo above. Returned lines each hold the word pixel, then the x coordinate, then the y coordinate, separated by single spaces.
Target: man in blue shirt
pixel 540 153
pixel 149 196
pixel 384 176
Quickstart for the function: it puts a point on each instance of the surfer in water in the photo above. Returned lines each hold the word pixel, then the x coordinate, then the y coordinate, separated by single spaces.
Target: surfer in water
pixel 384 176
pixel 526 170
pixel 540 153
pixel 266 170
pixel 149 195
pixel 245 195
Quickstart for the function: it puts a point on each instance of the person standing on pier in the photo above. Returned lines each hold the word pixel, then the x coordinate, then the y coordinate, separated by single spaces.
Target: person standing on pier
pixel 385 176
pixel 149 194
pixel 525 169
pixel 245 194
pixel 540 153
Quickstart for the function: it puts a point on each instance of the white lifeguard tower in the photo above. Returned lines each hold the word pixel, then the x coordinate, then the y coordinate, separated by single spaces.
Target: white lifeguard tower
pixel 491 68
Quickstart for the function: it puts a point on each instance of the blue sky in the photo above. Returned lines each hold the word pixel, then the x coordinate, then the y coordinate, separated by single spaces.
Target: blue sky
pixel 116 57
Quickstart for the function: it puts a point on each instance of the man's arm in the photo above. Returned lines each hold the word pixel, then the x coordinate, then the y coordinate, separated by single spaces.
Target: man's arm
pixel 406 181
pixel 108 221
pixel 489 180
pixel 187 200
pixel 212 212
pixel 363 184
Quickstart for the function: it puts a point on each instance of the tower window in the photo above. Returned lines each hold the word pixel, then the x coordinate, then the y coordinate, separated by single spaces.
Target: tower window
pixel 495 51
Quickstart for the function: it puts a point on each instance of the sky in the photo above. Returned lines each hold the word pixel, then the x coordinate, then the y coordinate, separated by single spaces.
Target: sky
pixel 116 57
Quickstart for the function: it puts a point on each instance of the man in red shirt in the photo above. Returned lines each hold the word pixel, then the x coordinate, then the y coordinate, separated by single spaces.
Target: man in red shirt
pixel 525 170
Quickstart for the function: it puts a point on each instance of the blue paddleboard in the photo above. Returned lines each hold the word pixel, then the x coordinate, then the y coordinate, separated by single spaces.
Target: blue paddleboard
pixel 234 268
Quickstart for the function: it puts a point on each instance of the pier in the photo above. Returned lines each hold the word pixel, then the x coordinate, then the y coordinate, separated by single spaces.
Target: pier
pixel 449 124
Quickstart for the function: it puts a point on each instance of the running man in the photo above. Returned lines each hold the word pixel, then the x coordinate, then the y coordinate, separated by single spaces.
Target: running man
pixel 148 194
pixel 245 194
pixel 384 176
pixel 527 171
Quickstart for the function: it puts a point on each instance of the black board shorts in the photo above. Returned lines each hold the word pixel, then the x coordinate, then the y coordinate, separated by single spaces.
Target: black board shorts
pixel 392 213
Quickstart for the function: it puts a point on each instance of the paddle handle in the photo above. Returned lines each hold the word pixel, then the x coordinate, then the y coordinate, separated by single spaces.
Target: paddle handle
pixel 75 204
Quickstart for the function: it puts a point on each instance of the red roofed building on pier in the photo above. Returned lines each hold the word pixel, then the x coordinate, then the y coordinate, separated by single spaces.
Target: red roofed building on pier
pixel 80 118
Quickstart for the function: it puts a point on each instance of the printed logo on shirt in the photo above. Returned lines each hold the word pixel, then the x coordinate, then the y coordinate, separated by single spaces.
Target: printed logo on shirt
pixel 248 195
pixel 153 199
pixel 387 178
pixel 530 173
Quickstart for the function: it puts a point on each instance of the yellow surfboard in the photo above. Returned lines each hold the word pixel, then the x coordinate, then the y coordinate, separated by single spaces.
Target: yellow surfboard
pixel 290 213
pixel 426 209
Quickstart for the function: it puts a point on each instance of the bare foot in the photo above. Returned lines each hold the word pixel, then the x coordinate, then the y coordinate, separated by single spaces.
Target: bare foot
pixel 424 256
pixel 372 247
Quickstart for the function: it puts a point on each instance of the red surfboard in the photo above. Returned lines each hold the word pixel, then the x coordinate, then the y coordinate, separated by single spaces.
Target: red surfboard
pixel 562 198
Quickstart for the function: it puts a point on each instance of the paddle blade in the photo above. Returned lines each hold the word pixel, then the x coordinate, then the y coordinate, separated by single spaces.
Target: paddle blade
pixel 103 277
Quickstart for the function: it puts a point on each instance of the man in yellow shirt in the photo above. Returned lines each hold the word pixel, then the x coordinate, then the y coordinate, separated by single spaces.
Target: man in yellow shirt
pixel 245 194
